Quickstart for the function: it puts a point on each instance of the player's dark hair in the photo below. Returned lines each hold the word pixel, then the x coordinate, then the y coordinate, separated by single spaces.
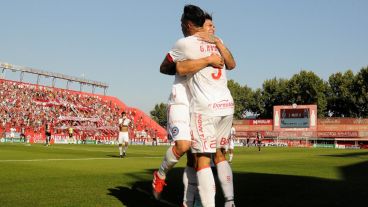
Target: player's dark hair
pixel 194 14
pixel 123 113
pixel 207 16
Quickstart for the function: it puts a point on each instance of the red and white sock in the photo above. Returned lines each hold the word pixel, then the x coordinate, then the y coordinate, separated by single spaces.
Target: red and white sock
pixel 206 187
pixel 170 159
pixel 225 175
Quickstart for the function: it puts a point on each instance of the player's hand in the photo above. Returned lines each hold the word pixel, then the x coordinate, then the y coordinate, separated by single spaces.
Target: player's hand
pixel 216 61
pixel 206 37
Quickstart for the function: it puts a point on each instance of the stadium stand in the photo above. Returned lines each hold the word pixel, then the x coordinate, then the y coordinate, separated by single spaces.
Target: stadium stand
pixel 334 132
pixel 93 117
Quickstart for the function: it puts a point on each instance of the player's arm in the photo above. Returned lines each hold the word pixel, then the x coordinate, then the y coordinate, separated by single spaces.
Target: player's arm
pixel 186 67
pixel 168 66
pixel 226 54
pixel 224 51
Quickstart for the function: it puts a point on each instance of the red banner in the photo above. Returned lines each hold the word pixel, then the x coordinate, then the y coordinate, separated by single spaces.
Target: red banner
pixel 301 134
pixel 341 127
pixel 338 134
pixel 344 121
pixel 253 122
pixel 297 134
pixel 272 134
pixel 253 127
pixel 261 122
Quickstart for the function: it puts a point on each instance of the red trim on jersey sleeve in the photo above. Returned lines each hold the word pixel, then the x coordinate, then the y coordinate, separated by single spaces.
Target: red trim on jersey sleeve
pixel 168 56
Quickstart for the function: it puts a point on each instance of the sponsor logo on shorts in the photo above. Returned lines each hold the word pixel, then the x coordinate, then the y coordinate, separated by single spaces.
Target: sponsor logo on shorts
pixel 200 127
pixel 174 131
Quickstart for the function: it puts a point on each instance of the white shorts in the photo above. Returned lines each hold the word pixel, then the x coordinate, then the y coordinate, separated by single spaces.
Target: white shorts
pixel 123 137
pixel 210 133
pixel 178 122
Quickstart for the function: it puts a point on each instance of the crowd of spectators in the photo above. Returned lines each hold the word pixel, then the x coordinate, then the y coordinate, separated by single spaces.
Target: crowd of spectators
pixel 32 106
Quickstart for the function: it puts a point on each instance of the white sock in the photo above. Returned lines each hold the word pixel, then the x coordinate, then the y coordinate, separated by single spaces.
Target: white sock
pixel 121 150
pixel 190 186
pixel 229 204
pixel 206 187
pixel 231 157
pixel 225 175
pixel 169 161
pixel 125 148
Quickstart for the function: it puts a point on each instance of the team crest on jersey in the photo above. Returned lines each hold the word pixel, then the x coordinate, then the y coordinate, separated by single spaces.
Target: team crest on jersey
pixel 174 131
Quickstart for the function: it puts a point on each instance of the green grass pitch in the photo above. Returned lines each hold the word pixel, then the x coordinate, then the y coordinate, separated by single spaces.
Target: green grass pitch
pixel 93 175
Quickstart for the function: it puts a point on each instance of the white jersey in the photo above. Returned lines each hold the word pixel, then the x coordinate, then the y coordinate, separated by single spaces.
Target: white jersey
pixel 179 92
pixel 178 119
pixel 209 93
pixel 124 121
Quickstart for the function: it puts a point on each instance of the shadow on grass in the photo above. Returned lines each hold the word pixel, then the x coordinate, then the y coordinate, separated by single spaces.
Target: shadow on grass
pixel 353 154
pixel 133 197
pixel 263 190
pixel 113 156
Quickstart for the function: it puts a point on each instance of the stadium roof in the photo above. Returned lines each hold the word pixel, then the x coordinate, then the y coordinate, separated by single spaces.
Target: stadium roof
pixel 23 69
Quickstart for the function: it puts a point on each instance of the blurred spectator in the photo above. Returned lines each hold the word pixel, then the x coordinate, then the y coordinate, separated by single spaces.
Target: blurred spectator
pixel 31 105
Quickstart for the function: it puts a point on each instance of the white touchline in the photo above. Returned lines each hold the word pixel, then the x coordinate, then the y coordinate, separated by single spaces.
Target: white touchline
pixel 73 159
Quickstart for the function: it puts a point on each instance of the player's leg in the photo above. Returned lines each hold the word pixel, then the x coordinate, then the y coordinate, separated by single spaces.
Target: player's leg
pixel 206 181
pixel 172 156
pixel 120 142
pixel 203 145
pixel 191 195
pixel 120 150
pixel 126 142
pixel 125 148
pixel 178 127
pixel 231 154
pixel 225 175
pixel 224 170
